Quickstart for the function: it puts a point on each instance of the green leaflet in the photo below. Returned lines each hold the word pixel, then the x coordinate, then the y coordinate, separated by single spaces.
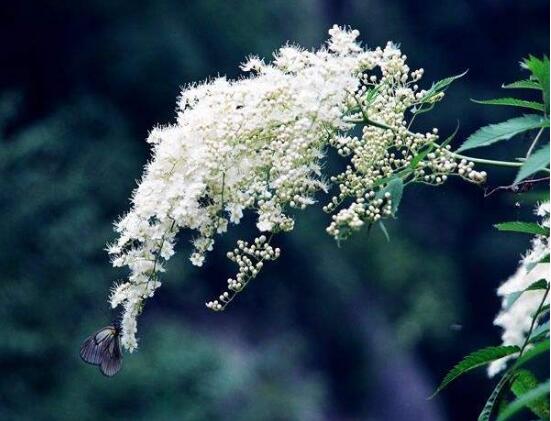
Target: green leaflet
pixel 476 359
pixel 523 227
pixel 488 409
pixel 502 131
pixel 536 162
pixel 540 71
pixel 383 229
pixel 513 102
pixel 396 188
pixel 538 349
pixel 531 397
pixel 420 156
pixel 544 310
pixel 531 266
pixel 512 297
pixel 524 382
pixel 539 332
pixel 523 84
pixel 440 86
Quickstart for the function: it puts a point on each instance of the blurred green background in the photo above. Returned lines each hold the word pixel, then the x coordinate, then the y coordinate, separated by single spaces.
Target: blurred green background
pixel 361 332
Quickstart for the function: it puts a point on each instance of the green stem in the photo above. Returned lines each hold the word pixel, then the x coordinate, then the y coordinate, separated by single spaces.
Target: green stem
pixel 487 161
pixel 536 315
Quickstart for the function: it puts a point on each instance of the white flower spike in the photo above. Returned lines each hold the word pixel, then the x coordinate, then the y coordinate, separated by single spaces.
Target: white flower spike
pixel 257 144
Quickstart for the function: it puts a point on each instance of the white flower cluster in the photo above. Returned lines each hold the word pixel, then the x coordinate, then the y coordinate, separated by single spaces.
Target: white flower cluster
pixel 250 259
pixel 515 319
pixel 386 147
pixel 257 144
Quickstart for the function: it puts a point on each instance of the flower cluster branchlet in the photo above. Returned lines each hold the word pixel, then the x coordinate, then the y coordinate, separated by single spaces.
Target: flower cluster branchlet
pixel 250 258
pixel 257 144
pixel 387 147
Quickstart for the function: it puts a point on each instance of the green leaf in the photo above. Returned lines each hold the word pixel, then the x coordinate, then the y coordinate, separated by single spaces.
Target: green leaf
pixel 422 109
pixel 395 187
pixel 540 72
pixel 450 137
pixel 539 332
pixel 522 227
pixel 502 131
pixel 538 161
pixel 538 349
pixel 532 265
pixel 474 360
pixel 420 156
pixel 540 284
pixel 383 229
pixel 371 94
pixel 524 382
pixel 523 84
pixel 532 397
pixel 512 297
pixel 513 102
pixel 440 86
pixel 486 412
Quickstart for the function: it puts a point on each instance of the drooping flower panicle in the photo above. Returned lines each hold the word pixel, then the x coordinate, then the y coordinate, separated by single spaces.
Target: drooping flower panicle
pixel 258 143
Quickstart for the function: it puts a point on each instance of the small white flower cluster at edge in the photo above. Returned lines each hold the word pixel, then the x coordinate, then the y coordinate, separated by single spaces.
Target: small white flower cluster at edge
pixel 515 319
pixel 258 144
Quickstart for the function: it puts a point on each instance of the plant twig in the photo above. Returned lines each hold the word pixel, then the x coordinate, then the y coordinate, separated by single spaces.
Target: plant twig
pixel 534 319
pixel 520 187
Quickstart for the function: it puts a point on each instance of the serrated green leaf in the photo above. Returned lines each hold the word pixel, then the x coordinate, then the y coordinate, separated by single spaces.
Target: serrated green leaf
pixel 522 227
pixel 523 84
pixel 523 383
pixel 371 94
pixel 514 296
pixel 489 406
pixel 450 137
pixel 538 349
pixel 474 360
pixel 538 393
pixel 539 332
pixel 505 130
pixel 532 265
pixel 396 188
pixel 536 162
pixel 540 284
pixel 513 102
pixel 540 71
pixel 422 109
pixel 400 174
pixel 440 86
pixel 420 156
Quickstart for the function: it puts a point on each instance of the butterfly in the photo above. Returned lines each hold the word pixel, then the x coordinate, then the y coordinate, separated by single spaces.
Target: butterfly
pixel 103 349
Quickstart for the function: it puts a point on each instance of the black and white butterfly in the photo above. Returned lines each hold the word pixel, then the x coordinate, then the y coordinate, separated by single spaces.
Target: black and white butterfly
pixel 103 349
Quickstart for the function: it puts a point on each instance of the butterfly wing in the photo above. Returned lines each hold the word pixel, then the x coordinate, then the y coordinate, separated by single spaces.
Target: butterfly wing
pixel 112 358
pixel 93 348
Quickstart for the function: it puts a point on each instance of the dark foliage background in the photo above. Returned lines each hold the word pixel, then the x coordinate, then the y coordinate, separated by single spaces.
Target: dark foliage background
pixel 363 332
